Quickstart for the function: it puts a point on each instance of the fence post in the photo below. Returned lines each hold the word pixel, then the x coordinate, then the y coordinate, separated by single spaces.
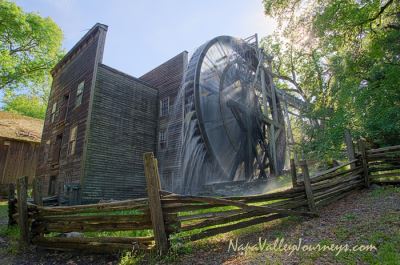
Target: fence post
pixel 293 172
pixel 349 147
pixel 22 190
pixel 364 163
pixel 37 192
pixel 307 186
pixel 11 204
pixel 156 214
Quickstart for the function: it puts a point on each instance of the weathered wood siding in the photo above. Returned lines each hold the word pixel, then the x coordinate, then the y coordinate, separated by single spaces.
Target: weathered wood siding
pixel 167 78
pixel 78 65
pixel 17 159
pixel 122 127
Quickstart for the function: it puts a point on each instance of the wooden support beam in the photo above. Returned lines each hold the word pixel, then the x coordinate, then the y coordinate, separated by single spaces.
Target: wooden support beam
pixel 289 128
pixel 349 147
pixel 293 172
pixel 364 163
pixel 263 86
pixel 307 186
pixel 156 214
pixel 22 190
pixel 275 119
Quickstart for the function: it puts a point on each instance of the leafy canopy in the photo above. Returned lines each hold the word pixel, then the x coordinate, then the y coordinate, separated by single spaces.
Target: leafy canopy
pixel 344 58
pixel 30 46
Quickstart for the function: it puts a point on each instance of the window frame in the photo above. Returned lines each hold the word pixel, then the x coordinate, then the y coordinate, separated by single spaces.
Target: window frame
pixel 73 135
pixel 46 151
pixel 79 94
pixel 162 139
pixel 164 109
pixel 53 112
pixel 52 185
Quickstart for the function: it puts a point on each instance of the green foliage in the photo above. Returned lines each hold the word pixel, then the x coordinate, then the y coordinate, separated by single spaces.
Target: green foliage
pixel 12 233
pixel 29 47
pixel 28 105
pixel 344 58
pixel 130 258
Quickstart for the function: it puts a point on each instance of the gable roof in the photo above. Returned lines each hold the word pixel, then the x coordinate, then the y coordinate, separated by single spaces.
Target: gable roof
pixel 19 127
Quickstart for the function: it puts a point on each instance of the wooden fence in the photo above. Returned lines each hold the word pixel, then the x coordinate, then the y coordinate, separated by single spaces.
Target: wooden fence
pixel 190 218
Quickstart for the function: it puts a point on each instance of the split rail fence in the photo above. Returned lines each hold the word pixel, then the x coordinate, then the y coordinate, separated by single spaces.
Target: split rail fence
pixel 167 216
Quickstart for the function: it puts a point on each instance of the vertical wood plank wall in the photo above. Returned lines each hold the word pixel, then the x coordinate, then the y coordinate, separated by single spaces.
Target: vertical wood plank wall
pixel 167 78
pixel 17 159
pixel 77 66
pixel 122 128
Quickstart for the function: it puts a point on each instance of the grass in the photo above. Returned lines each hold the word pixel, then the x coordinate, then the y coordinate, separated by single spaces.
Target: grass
pixel 386 242
pixel 11 233
pixel 3 209
pixel 382 192
pixel 381 232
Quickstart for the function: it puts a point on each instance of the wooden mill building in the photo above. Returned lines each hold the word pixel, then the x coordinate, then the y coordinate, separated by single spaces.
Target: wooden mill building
pixel 100 121
pixel 19 147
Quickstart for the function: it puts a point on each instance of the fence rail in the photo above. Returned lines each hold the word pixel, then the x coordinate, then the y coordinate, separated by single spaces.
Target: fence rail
pixel 194 217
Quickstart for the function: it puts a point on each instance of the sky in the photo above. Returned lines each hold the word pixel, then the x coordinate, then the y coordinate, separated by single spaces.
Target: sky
pixel 144 34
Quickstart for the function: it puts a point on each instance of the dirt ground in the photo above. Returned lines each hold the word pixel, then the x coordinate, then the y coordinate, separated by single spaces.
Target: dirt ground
pixel 362 218
pixel 42 257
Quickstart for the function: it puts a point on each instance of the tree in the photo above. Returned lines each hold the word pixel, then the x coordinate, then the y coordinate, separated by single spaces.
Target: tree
pixel 345 58
pixel 27 105
pixel 31 102
pixel 30 45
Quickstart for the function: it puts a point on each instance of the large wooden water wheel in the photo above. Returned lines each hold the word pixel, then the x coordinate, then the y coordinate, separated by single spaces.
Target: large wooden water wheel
pixel 230 96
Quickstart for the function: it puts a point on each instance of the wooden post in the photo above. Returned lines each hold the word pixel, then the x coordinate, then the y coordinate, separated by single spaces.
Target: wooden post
pixel 364 163
pixel 153 191
pixel 293 172
pixel 22 190
pixel 11 204
pixel 37 192
pixel 307 186
pixel 349 147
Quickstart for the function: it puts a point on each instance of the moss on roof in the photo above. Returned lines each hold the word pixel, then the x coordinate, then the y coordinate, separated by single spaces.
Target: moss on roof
pixel 19 127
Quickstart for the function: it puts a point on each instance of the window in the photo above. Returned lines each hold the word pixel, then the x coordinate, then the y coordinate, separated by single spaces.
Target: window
pixel 79 93
pixel 64 107
pixel 72 140
pixel 57 149
pixel 162 139
pixel 53 112
pixel 52 185
pixel 164 106
pixel 167 181
pixel 46 151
